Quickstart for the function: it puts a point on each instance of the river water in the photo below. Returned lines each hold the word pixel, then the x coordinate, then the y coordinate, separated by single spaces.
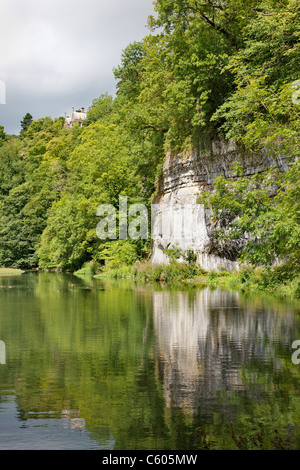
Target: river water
pixel 92 364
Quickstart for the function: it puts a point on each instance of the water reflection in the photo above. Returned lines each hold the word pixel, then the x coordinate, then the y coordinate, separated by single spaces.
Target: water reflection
pixel 103 364
pixel 205 339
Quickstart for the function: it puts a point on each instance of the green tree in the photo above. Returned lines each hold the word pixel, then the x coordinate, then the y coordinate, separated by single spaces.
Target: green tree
pixel 128 74
pixel 101 109
pixel 262 212
pixel 25 123
pixel 3 136
pixel 99 170
pixel 12 166
pixel 260 112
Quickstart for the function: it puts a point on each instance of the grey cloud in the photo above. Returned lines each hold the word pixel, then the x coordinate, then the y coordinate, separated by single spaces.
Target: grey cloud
pixel 55 54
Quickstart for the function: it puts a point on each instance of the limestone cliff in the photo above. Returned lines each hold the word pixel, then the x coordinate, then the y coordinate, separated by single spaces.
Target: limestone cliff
pixel 178 220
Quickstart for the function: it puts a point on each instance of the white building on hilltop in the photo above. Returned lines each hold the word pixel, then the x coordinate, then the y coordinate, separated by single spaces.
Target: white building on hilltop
pixel 78 117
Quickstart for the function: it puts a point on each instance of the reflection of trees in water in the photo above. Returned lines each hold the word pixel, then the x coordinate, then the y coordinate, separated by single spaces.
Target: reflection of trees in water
pixel 72 417
pixel 204 338
pixel 97 350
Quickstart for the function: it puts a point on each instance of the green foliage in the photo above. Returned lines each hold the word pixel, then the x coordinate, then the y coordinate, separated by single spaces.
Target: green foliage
pixel 90 268
pixel 282 280
pixel 173 272
pixel 12 171
pixel 97 171
pixel 25 123
pixel 263 211
pixel 17 232
pixel 174 253
pixel 208 69
pixel 118 253
pixel 128 74
pixel 189 256
pixel 29 184
pixel 3 136
pixel 101 109
pixel 261 112
pixel 66 238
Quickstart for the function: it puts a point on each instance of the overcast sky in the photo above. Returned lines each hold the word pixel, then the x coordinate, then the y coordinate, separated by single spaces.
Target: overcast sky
pixel 56 54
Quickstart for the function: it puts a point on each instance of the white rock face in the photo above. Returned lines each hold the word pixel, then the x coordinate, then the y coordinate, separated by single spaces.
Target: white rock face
pixel 177 219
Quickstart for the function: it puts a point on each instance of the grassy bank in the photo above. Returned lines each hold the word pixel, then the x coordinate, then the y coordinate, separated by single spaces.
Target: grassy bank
pixel 145 271
pixel 282 281
pixel 10 272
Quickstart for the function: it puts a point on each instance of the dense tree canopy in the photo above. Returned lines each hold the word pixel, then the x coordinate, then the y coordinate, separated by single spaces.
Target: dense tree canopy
pixel 207 68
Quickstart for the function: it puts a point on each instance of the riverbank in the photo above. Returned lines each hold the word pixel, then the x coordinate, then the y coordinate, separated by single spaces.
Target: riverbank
pixel 281 281
pixel 10 272
pixel 276 281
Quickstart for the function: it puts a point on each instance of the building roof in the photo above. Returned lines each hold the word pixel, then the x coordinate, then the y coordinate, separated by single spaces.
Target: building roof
pixel 78 115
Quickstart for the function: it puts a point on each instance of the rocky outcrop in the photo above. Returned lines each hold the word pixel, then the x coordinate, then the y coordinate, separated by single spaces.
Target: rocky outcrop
pixel 178 220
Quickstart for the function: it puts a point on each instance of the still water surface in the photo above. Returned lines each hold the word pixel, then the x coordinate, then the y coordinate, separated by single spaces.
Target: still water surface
pixel 102 365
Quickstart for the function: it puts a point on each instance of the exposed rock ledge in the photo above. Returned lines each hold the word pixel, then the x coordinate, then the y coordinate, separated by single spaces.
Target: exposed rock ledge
pixel 179 220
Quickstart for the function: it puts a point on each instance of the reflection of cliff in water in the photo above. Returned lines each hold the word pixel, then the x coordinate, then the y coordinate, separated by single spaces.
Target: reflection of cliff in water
pixel 204 338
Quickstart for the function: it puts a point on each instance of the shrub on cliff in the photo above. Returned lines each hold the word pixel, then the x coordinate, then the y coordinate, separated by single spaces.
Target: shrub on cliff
pixel 264 212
